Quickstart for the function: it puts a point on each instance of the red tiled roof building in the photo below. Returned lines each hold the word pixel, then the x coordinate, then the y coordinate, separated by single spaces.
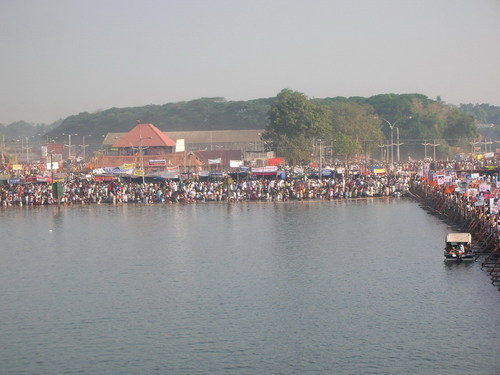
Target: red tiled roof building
pixel 146 136
pixel 146 144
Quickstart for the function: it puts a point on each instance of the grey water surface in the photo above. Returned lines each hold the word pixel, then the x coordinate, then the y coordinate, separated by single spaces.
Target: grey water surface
pixel 357 287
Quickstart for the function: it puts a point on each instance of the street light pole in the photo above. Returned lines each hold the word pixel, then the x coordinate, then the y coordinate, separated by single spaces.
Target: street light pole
pixel 392 137
pixel 392 143
pixel 398 143
pixel 392 125
pixel 320 160
pixel 69 146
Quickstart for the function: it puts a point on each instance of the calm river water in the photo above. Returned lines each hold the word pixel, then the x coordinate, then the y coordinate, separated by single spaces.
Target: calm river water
pixel 355 287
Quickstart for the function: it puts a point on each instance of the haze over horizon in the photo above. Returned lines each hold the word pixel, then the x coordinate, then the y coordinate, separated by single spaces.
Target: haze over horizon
pixel 60 58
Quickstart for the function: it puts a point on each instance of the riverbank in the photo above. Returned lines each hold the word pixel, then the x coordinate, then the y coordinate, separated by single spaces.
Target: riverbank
pixel 78 192
pixel 456 209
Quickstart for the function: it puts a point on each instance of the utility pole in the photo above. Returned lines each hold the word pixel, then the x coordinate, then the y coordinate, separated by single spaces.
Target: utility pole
pixel 387 154
pixel 84 146
pixel 434 144
pixel 473 144
pixel 486 143
pixel 69 144
pixel 425 144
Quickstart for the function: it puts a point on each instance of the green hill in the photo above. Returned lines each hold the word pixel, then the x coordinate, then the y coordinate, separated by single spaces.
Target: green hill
pixel 200 114
pixel 419 117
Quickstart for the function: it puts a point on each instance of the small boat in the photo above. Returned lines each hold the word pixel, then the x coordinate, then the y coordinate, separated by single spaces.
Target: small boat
pixel 458 247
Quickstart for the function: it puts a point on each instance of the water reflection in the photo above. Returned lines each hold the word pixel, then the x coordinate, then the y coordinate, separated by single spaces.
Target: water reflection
pixel 300 287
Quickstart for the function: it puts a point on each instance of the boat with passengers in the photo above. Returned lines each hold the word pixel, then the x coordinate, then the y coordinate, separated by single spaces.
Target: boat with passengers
pixel 458 247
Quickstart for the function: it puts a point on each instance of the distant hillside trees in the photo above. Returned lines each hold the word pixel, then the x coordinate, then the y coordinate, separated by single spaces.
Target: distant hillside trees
pixel 293 121
pixel 358 125
pixel 200 114
pixel 418 118
pixel 23 129
pixel 483 113
pixel 487 115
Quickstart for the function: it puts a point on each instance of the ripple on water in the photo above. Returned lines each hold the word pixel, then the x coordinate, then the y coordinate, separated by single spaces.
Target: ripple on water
pixel 345 288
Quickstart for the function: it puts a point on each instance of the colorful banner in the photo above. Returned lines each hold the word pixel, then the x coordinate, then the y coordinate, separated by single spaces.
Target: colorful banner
pixel 53 165
pixel 275 161
pixel 116 170
pixel 377 169
pixel 180 145
pixel 235 163
pixel 269 170
pixel 298 170
pixel 168 175
pixel 157 163
pixel 484 187
pixel 204 173
pixel 214 161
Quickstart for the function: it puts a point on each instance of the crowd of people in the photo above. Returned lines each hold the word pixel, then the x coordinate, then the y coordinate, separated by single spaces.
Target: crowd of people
pixel 89 191
pixel 348 184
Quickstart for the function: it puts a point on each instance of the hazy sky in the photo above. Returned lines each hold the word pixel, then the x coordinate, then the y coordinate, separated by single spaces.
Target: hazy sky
pixel 62 57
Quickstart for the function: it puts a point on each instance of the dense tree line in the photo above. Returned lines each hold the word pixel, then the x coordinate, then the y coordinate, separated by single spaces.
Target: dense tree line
pixel 200 114
pixel 22 129
pixel 360 125
pixel 483 113
pixel 293 121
